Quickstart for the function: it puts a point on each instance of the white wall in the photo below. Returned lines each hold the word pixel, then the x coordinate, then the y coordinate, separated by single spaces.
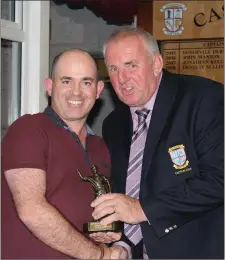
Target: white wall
pixel 80 29
pixel 24 71
pixel 77 28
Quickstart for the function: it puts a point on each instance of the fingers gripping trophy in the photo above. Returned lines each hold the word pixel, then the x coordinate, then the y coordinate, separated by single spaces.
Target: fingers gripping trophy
pixel 101 186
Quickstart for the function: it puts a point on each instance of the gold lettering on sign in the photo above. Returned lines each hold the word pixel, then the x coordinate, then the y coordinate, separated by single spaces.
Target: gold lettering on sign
pixel 196 57
pixel 202 19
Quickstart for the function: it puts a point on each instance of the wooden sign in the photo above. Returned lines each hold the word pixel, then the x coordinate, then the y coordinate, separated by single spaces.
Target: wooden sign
pixel 173 20
pixel 197 57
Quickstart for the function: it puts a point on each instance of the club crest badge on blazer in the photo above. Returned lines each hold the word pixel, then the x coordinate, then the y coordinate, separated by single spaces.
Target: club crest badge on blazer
pixel 179 158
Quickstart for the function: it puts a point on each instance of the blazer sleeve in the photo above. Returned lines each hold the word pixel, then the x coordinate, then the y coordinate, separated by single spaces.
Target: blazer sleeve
pixel 204 191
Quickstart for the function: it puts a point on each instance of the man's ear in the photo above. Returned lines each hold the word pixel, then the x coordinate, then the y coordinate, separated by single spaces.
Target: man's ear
pixel 48 86
pixel 158 64
pixel 100 86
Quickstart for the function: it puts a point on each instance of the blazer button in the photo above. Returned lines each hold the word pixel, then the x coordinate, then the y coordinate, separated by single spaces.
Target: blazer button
pixel 170 228
pixel 167 230
pixel 175 226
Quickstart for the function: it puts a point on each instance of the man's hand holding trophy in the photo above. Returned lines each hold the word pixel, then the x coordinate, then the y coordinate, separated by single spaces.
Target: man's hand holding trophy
pixel 94 229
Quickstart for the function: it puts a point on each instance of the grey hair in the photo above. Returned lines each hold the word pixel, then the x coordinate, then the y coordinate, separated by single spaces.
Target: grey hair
pixel 151 43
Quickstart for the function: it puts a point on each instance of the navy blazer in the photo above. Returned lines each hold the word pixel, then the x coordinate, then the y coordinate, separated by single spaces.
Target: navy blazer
pixel 181 188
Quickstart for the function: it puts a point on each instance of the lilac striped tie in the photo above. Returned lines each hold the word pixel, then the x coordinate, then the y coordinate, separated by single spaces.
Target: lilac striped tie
pixel 133 232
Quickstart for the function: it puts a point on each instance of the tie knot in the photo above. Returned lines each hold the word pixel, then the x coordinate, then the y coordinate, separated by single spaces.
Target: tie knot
pixel 142 114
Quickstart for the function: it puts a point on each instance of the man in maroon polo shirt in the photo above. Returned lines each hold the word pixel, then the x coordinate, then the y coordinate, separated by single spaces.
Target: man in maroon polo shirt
pixel 44 202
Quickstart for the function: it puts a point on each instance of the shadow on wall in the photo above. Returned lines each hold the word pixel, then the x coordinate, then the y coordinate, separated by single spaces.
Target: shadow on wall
pixel 103 106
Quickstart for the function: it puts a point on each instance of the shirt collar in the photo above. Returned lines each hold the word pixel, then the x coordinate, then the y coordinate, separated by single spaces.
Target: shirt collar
pixel 50 112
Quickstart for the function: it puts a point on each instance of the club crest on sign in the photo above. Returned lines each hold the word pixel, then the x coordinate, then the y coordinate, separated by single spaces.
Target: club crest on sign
pixel 173 18
pixel 178 156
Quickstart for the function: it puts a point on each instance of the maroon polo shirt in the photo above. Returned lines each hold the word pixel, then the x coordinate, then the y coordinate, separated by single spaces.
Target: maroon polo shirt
pixel 42 141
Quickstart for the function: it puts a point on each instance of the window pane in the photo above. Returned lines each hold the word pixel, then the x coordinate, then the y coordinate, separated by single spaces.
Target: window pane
pixel 8 10
pixel 10 82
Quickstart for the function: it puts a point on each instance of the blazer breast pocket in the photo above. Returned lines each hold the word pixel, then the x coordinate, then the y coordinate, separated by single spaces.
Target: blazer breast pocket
pixel 183 158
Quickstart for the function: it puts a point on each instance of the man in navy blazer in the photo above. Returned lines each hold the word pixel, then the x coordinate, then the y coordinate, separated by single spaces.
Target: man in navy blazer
pixel 180 205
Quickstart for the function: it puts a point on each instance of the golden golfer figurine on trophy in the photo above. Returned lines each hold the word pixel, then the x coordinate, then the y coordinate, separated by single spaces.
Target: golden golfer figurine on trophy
pixel 101 186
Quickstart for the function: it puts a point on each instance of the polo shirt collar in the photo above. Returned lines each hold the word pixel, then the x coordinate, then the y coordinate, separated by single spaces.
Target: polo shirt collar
pixel 59 122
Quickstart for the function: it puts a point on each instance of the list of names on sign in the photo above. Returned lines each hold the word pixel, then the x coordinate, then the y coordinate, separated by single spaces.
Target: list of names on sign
pixel 195 57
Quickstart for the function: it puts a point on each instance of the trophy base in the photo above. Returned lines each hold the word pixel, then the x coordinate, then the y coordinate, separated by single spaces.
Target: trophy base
pixel 95 226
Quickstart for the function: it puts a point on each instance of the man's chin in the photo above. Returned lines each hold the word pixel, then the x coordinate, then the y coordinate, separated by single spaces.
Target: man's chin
pixel 130 102
pixel 72 117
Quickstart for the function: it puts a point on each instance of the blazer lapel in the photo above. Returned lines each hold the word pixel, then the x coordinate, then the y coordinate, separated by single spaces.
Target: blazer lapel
pixel 162 108
pixel 123 140
pixel 126 127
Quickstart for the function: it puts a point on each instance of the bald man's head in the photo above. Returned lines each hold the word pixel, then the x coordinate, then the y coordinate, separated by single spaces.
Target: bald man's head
pixel 72 54
pixel 74 86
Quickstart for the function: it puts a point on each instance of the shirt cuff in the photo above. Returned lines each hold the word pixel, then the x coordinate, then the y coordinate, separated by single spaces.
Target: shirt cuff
pixel 125 245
